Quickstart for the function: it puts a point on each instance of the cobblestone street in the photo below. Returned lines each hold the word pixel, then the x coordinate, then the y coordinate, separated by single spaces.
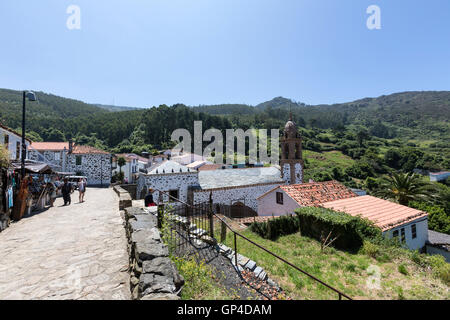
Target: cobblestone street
pixel 73 252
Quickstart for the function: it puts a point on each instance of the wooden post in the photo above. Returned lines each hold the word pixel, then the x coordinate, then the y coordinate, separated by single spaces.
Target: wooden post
pixel 210 214
pixel 223 232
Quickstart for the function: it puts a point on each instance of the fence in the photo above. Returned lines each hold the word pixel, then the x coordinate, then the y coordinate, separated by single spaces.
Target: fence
pixel 184 220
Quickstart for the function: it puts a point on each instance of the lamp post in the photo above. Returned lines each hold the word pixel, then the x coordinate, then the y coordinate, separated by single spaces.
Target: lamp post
pixel 31 97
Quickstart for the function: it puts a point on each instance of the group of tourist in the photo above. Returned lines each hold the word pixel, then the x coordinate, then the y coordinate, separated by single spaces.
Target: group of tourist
pixel 67 189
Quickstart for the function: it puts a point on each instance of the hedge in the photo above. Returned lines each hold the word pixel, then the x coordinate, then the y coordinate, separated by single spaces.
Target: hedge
pixel 317 222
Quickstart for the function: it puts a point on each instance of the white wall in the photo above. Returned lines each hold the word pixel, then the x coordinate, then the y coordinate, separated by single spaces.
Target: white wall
pixel 229 196
pixel 421 230
pixel 268 205
pixel 167 182
pixel 13 139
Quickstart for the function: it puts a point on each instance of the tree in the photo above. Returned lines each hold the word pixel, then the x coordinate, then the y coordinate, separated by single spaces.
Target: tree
pixel 4 157
pixel 404 187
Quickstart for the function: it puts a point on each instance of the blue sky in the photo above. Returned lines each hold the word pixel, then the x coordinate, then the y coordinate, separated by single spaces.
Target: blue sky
pixel 144 53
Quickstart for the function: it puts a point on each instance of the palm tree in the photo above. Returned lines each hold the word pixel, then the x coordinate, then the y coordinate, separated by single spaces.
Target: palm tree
pixel 405 187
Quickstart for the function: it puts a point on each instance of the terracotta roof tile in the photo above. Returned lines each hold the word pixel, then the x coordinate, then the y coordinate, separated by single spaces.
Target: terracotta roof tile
pixel 59 146
pixel 53 146
pixel 316 193
pixel 383 213
pixel 77 149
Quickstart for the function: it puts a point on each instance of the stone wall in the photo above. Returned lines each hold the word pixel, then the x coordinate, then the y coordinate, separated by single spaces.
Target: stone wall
pixel 153 274
pixel 131 189
pixel 228 196
pixel 96 167
pixel 166 182
pixel 125 199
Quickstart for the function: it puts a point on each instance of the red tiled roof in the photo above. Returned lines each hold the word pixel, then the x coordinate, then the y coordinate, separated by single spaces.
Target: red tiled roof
pixel 77 149
pixel 383 213
pixel 53 146
pixel 59 146
pixel 313 194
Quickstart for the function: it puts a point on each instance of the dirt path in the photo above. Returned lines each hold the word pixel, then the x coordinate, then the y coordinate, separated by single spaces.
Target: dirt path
pixel 73 252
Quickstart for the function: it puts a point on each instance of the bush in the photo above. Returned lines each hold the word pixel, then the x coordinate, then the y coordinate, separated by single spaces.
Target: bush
pixel 370 249
pixel 402 269
pixel 275 228
pixel 349 231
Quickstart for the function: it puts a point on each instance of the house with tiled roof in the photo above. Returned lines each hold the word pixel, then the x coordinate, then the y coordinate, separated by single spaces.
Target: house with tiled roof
pixel 284 199
pixel 83 160
pixel 409 225
pixel 133 165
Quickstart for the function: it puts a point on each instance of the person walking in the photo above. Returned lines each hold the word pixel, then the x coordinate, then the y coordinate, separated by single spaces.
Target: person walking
pixel 81 189
pixel 148 200
pixel 52 191
pixel 66 190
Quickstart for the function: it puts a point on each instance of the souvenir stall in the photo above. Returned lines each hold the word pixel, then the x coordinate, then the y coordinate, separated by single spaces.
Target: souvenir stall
pixel 34 192
pixel 8 190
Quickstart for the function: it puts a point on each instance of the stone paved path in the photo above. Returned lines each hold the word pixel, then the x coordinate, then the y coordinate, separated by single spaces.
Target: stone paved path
pixel 73 252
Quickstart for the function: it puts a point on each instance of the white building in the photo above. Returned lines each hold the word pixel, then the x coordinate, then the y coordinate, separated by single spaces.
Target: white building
pixel 87 161
pixel 187 158
pixel 133 165
pixel 13 142
pixel 228 187
pixel 409 225
pixel 439 176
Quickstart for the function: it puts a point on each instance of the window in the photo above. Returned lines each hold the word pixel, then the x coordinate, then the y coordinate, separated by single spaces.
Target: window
pixel 78 160
pixel 17 150
pixel 403 235
pixel 174 194
pixel 413 231
pixel 279 197
pixel 395 234
pixel 57 156
pixel 6 140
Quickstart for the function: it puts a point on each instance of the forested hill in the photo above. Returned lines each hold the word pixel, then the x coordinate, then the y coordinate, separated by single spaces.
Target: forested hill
pixel 421 116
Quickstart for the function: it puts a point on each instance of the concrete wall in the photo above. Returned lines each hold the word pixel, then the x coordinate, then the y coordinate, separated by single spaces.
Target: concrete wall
pixel 268 205
pixel 421 230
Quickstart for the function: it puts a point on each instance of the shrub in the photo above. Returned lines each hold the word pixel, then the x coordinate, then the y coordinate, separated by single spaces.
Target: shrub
pixel 349 231
pixel 402 269
pixel 275 228
pixel 370 249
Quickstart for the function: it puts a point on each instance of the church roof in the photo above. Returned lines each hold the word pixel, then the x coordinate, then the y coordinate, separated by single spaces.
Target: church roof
pixel 169 166
pixel 215 179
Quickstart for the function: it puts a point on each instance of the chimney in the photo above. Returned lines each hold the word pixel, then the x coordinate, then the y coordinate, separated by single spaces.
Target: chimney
pixel 70 145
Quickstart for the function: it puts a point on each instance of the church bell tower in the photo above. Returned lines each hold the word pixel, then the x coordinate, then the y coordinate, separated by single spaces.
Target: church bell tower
pixel 291 154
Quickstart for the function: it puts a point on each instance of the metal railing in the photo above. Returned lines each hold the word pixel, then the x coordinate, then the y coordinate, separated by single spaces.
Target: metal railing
pixel 202 217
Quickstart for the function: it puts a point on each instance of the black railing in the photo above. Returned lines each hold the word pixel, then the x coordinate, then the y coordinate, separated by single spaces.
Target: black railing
pixel 202 215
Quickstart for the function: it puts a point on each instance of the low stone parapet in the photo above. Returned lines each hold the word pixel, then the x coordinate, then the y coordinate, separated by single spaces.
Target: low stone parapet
pixel 125 199
pixel 153 275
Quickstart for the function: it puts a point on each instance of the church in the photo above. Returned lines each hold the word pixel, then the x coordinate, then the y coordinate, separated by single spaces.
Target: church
pixel 231 187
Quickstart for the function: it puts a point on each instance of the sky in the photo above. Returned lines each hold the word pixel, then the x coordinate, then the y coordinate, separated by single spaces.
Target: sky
pixel 146 53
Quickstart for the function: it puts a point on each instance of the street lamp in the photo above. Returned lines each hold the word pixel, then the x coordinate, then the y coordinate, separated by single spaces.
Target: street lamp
pixel 31 97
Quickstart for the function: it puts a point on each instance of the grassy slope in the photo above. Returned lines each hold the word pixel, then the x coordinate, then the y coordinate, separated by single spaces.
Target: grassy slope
pixel 318 161
pixel 344 271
